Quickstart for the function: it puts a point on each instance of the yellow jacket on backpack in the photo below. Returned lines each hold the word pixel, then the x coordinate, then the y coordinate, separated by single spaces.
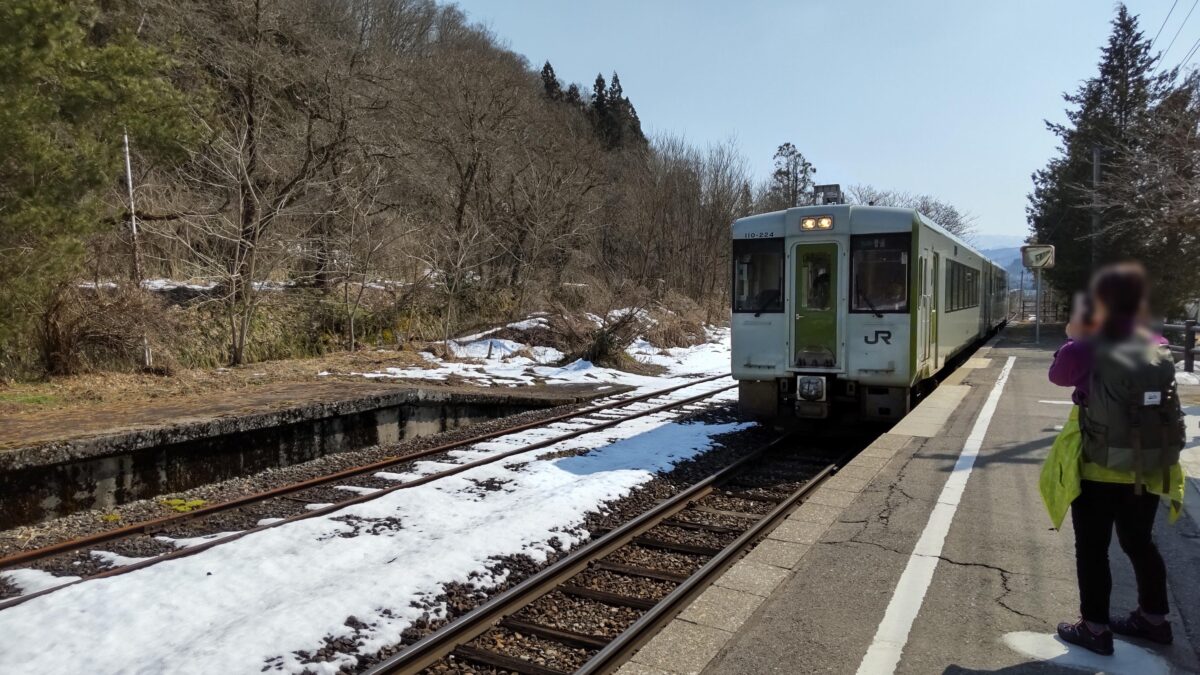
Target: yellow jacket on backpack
pixel 1065 467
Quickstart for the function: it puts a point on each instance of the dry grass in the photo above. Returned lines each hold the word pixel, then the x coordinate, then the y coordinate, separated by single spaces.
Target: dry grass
pixel 130 388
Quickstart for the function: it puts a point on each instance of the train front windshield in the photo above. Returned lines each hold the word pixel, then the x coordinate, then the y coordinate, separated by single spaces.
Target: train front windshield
pixel 758 275
pixel 879 273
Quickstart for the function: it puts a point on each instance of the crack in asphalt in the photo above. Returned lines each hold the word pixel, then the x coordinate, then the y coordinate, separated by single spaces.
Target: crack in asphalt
pixel 893 487
pixel 1005 574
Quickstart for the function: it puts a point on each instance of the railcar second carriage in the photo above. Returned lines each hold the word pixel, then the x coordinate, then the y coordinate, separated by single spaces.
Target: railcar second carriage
pixel 852 307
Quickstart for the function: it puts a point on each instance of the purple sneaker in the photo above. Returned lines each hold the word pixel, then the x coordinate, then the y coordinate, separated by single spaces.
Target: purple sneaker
pixel 1079 634
pixel 1136 625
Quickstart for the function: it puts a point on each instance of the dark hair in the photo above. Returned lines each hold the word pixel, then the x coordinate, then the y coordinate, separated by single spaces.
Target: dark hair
pixel 1121 289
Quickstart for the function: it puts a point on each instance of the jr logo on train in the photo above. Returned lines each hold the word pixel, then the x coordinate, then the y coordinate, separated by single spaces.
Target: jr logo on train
pixel 853 309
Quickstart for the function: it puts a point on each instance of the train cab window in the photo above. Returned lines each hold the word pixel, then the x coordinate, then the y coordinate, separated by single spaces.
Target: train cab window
pixel 879 273
pixel 758 275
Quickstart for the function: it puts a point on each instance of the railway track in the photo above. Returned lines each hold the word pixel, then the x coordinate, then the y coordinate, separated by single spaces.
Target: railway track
pixel 291 498
pixel 644 572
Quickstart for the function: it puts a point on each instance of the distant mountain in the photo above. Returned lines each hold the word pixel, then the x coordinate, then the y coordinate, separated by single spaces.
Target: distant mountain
pixel 1005 256
pixel 1010 258
pixel 996 241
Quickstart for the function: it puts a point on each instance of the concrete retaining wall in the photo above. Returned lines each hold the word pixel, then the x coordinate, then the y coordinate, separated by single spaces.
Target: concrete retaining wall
pixel 99 472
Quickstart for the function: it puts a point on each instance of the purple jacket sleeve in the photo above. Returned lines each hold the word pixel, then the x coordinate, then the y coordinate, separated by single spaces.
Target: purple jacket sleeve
pixel 1071 364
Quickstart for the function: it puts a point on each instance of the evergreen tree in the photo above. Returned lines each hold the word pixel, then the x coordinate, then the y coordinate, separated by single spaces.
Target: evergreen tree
pixel 574 96
pixel 68 94
pixel 791 181
pixel 599 110
pixel 599 97
pixel 551 84
pixel 745 205
pixel 1106 111
pixel 616 94
pixel 625 129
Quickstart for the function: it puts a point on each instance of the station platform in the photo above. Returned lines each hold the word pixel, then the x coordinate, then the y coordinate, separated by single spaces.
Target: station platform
pixel 932 552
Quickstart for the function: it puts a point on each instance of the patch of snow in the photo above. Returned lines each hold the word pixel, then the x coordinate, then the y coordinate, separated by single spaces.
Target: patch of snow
pixel 1182 377
pixel 506 368
pixel 272 285
pixel 487 348
pixel 186 542
pixel 114 559
pixel 356 489
pixel 32 581
pixel 264 597
pixel 1126 657
pixel 532 322
pixel 171 284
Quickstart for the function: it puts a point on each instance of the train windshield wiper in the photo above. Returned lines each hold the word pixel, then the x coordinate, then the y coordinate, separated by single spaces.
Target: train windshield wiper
pixel 863 296
pixel 762 306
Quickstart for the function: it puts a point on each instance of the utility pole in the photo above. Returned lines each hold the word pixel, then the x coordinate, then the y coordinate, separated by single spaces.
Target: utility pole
pixel 1095 205
pixel 1022 304
pixel 147 358
pixel 133 229
pixel 1037 330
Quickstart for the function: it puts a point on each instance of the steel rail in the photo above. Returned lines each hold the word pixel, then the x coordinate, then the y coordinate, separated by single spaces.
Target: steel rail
pixel 616 652
pixel 436 646
pixel 145 526
pixel 428 478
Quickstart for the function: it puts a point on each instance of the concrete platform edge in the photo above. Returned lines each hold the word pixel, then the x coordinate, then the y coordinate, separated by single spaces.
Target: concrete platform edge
pixel 695 637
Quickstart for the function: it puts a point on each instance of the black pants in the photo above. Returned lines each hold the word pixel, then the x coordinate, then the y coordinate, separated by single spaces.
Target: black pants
pixel 1093 513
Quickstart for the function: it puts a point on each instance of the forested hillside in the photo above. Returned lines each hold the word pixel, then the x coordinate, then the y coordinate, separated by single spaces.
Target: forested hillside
pixel 311 175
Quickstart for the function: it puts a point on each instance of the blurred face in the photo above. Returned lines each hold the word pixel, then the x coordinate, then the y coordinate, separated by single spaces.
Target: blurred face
pixel 1083 312
pixel 1099 312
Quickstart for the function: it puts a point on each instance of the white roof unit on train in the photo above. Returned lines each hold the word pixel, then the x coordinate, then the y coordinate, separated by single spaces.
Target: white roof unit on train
pixel 847 219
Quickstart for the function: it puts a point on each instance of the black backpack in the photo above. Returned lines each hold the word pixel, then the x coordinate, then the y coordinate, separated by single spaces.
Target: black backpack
pixel 1133 420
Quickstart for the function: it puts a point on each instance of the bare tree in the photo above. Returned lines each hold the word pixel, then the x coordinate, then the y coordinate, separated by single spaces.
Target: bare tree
pixel 960 223
pixel 1149 194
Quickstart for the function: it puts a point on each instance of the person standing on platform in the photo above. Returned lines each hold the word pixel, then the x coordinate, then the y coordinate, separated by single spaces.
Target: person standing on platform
pixel 1117 457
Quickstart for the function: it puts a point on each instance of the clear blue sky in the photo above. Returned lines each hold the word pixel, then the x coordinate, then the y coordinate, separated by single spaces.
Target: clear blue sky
pixel 928 96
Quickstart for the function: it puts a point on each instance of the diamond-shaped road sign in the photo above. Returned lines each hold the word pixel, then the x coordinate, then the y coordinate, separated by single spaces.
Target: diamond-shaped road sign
pixel 1037 256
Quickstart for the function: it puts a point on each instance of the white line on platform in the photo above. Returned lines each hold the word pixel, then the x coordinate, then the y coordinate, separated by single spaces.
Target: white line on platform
pixel 1058 402
pixel 892 635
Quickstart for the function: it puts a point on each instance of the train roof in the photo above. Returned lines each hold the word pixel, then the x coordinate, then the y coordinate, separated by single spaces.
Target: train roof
pixel 905 215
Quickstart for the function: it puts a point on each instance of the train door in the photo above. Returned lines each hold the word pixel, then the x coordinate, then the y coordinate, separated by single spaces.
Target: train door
pixel 935 304
pixel 924 305
pixel 816 328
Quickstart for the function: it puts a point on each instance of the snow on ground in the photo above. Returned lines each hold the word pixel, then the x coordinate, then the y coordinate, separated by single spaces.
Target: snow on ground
pixel 497 362
pixel 256 601
pixel 1185 378
pixel 32 581
pixel 1190 458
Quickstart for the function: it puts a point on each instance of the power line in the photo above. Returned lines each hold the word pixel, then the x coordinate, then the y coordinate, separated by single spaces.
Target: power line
pixel 1164 23
pixel 1177 32
pixel 1195 46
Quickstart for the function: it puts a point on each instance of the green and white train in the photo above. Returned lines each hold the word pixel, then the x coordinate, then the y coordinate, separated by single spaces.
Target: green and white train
pixel 852 308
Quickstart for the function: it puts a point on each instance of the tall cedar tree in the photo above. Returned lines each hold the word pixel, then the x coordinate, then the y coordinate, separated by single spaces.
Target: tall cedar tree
pixel 551 84
pixel 1106 110
pixel 791 181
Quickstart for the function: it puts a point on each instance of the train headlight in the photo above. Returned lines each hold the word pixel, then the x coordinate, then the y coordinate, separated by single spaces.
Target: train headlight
pixel 816 223
pixel 810 388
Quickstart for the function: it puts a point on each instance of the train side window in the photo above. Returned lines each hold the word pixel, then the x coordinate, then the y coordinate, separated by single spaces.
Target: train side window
pixel 879 273
pixel 758 275
pixel 963 287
